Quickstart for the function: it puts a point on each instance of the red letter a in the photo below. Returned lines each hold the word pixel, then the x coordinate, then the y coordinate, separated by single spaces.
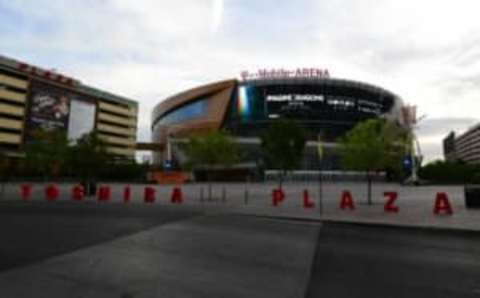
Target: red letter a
pixel 442 204
pixel 177 196
pixel 347 201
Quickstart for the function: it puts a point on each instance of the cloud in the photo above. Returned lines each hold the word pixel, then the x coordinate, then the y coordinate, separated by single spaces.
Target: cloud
pixel 217 12
pixel 432 131
pixel 442 126
pixel 425 51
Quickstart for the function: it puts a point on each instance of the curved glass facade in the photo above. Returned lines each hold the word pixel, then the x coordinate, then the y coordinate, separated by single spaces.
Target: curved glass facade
pixel 322 108
pixel 187 112
pixel 327 108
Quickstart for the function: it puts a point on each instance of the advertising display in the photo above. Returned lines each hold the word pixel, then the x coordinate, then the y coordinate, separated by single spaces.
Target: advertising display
pixel 328 108
pixel 299 101
pixel 54 108
pixel 49 108
pixel 292 103
pixel 82 119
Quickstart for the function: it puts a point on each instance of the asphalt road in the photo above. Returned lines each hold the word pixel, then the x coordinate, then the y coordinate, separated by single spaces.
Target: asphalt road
pixel 225 255
pixel 354 261
pixel 209 255
pixel 34 231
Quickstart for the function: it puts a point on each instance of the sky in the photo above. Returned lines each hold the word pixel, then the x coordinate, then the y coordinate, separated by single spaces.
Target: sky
pixel 427 52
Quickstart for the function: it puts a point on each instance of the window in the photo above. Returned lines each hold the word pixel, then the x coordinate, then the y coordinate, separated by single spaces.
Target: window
pixel 188 112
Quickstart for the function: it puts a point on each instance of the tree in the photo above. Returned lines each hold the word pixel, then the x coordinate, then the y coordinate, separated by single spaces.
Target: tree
pixel 211 151
pixel 374 145
pixel 124 169
pixel 5 167
pixel 88 157
pixel 448 172
pixel 283 144
pixel 46 155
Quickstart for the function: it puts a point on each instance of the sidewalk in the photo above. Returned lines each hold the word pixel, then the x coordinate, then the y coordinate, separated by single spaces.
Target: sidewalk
pixel 215 256
pixel 415 203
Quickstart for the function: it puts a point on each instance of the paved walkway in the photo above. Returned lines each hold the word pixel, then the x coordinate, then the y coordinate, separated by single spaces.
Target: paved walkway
pixel 207 256
pixel 220 254
pixel 415 203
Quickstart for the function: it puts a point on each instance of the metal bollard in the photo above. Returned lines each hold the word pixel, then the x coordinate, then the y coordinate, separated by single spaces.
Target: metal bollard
pixel 245 198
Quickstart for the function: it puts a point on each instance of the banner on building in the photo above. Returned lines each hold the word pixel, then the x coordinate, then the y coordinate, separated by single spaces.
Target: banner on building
pixel 54 108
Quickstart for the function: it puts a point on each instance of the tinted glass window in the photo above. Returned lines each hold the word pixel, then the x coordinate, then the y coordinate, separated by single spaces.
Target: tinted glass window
pixel 328 110
pixel 188 112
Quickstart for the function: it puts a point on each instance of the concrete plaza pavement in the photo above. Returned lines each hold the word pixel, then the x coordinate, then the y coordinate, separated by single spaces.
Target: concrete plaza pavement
pixel 357 261
pixel 199 256
pixel 34 231
pixel 415 203
pixel 67 249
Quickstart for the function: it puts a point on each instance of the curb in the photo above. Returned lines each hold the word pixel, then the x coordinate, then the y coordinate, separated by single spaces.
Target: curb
pixel 381 225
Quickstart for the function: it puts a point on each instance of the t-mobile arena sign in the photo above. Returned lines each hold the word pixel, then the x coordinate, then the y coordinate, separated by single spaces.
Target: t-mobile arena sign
pixel 320 73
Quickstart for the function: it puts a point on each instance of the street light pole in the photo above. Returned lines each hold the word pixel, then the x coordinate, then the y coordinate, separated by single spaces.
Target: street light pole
pixel 414 175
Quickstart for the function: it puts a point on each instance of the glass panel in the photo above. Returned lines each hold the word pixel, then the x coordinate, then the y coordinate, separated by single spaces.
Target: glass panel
pixel 324 109
pixel 188 112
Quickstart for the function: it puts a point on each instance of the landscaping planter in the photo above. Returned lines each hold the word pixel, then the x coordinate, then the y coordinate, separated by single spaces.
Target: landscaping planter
pixel 90 188
pixel 472 196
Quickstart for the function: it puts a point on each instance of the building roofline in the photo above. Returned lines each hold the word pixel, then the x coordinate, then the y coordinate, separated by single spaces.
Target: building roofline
pixel 209 87
pixel 106 95
pixel 339 81
pixel 172 102
pixel 14 65
pixel 468 131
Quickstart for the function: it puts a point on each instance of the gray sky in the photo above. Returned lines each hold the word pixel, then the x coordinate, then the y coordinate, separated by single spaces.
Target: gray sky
pixel 428 52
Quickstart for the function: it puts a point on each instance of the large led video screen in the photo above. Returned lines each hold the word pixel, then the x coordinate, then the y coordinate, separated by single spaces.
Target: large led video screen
pixel 304 102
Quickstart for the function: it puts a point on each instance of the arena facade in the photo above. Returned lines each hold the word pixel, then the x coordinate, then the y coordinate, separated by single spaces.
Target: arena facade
pixel 327 107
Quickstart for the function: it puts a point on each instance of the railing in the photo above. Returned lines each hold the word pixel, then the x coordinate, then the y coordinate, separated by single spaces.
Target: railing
pixel 274 175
